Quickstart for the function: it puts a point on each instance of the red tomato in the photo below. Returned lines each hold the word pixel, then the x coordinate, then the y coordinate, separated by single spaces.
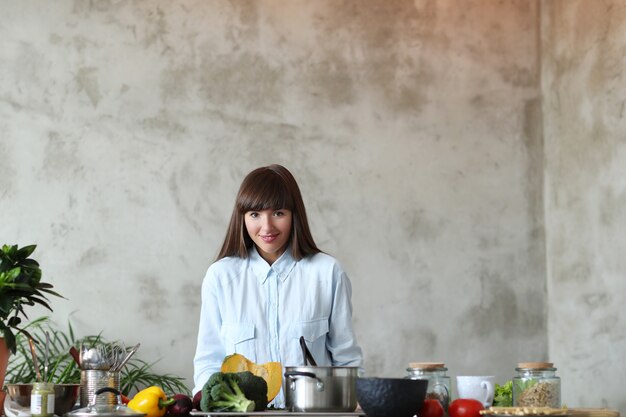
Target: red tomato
pixel 465 407
pixel 431 408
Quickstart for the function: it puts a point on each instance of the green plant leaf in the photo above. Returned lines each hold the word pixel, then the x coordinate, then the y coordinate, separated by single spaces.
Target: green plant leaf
pixel 47 291
pixel 9 251
pixel 20 286
pixel 30 263
pixel 9 339
pixel 42 302
pixel 12 275
pixel 6 304
pixel 14 321
pixel 135 376
pixel 25 251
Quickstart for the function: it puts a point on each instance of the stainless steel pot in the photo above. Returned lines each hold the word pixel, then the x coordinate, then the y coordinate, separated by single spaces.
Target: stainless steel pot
pixel 320 388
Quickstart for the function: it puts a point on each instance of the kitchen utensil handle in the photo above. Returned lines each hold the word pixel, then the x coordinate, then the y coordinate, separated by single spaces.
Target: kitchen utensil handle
pixel 45 357
pixel 74 354
pixel 292 374
pixel 306 353
pixel 31 342
pixel 130 354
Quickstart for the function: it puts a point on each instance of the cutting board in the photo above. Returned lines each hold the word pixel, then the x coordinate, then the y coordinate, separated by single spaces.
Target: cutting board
pixel 592 412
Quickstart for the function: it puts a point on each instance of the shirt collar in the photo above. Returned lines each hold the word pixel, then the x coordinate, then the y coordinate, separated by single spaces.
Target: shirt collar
pixel 282 267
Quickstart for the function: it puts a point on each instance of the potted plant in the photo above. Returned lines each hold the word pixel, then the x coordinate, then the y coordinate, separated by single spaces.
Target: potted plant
pixel 20 286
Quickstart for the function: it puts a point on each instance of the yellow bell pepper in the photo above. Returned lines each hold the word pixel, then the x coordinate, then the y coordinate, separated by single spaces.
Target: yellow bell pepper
pixel 151 401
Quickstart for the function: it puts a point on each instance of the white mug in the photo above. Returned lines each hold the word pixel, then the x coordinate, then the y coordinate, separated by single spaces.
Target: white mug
pixel 477 387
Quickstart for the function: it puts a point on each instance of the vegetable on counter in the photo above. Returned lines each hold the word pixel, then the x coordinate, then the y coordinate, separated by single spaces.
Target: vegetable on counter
pixel 182 406
pixel 196 400
pixel 465 407
pixel 254 388
pixel 234 391
pixel 503 395
pixel 151 401
pixel 431 408
pixel 271 372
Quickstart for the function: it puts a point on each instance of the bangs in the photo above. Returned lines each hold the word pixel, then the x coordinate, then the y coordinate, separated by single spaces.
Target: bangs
pixel 264 192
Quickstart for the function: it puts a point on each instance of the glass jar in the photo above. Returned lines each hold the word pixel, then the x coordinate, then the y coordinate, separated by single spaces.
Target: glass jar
pixel 42 399
pixel 536 385
pixel 438 381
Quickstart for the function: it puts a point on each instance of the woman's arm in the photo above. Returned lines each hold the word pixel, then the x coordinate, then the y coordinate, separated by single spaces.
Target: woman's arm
pixel 209 349
pixel 341 342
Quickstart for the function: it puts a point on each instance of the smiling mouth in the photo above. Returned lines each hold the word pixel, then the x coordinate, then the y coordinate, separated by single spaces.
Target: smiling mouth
pixel 269 238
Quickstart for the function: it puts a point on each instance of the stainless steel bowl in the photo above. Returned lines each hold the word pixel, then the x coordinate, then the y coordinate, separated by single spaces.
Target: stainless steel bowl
pixel 65 397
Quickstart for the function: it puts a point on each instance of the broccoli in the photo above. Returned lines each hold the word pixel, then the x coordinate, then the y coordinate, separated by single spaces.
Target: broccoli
pixel 234 391
pixel 254 388
pixel 222 393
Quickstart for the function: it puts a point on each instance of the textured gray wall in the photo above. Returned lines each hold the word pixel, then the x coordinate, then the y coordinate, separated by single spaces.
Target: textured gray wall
pixel 585 140
pixel 413 127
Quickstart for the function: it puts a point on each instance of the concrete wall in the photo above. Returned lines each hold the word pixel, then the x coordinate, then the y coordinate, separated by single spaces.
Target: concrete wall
pixel 584 88
pixel 413 127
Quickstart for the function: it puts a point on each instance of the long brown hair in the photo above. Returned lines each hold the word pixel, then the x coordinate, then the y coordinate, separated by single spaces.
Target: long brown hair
pixel 270 187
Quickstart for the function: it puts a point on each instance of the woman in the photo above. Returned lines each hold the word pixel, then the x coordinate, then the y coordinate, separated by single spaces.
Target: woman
pixel 271 285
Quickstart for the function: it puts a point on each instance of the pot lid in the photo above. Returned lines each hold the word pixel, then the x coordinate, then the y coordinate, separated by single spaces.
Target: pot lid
pixel 104 410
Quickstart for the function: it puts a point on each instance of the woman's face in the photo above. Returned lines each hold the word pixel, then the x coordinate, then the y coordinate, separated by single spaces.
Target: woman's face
pixel 270 230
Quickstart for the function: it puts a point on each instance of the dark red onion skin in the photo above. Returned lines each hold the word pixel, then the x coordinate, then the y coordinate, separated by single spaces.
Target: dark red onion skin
pixel 196 400
pixel 181 407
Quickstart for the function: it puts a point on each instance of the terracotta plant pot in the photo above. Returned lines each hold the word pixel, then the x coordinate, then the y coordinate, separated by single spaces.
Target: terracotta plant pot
pixel 4 361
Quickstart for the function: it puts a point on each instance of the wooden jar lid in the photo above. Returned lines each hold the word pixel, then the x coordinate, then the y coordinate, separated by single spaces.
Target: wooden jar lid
pixel 426 365
pixel 535 365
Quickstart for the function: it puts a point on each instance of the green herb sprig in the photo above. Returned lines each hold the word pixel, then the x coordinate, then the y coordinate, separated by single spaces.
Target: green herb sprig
pixel 503 395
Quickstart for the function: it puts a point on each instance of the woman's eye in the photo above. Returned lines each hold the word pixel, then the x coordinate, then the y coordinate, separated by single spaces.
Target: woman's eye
pixel 254 215
pixel 279 213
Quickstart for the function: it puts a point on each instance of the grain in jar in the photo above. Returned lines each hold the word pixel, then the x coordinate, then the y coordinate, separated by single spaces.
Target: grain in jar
pixel 536 385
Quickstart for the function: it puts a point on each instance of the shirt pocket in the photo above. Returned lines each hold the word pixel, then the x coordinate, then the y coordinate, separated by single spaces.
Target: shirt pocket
pixel 314 333
pixel 239 338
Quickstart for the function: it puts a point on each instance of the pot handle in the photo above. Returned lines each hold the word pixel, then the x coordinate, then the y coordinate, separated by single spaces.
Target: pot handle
pixel 291 375
pixel 306 353
pixel 107 389
pixel 102 391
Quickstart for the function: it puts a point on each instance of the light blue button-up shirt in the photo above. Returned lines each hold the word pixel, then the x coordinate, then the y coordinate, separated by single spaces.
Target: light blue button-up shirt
pixel 261 310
